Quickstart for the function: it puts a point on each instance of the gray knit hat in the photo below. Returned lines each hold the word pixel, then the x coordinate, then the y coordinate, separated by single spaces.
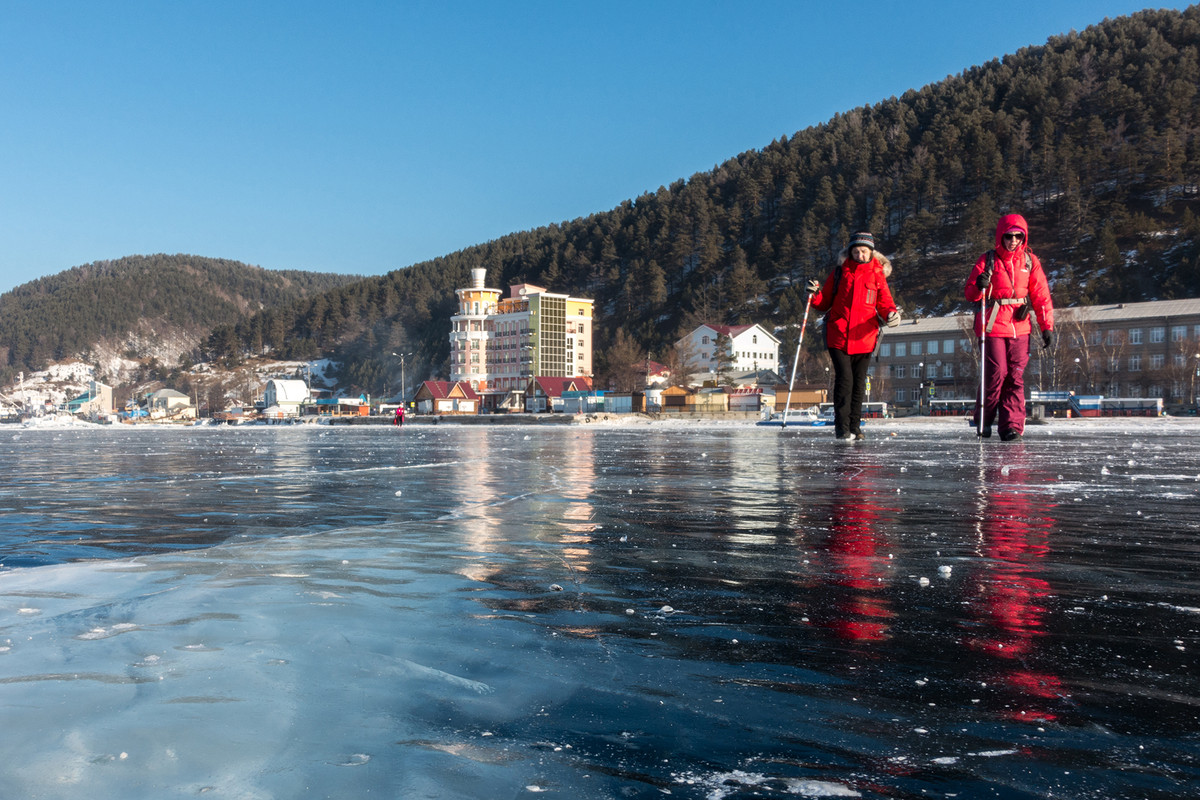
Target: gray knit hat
pixel 862 238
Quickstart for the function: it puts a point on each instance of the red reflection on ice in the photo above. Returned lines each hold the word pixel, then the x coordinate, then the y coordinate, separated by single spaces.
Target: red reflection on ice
pixel 1015 529
pixel 859 564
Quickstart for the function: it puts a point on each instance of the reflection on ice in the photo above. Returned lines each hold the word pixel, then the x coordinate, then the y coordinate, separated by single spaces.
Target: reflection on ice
pixel 706 612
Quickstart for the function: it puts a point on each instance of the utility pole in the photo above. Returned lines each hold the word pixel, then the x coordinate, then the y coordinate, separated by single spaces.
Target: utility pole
pixel 403 377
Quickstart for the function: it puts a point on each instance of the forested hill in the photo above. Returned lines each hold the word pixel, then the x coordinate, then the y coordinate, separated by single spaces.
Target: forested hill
pixel 151 298
pixel 1092 136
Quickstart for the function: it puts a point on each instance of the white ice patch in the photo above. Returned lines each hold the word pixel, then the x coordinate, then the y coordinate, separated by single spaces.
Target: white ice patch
pixel 806 788
pixel 104 633
pixel 720 785
pixel 1184 609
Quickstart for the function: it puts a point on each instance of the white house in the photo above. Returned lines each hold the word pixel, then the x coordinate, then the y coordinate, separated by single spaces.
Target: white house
pixel 751 348
pixel 170 403
pixel 284 396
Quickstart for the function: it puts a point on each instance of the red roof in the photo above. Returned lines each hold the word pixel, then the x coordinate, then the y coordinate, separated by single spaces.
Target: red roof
pixel 650 367
pixel 445 389
pixel 554 387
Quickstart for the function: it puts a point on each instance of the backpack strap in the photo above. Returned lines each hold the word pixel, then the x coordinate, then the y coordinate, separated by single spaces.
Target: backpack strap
pixel 1003 301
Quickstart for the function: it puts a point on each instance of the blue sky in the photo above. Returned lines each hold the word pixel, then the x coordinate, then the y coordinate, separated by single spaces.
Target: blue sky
pixel 362 137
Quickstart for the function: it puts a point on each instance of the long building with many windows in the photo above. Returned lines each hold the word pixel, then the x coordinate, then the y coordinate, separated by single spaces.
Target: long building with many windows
pixel 498 344
pixel 1119 350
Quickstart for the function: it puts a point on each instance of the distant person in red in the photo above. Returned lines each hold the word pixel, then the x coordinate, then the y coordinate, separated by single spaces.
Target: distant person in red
pixel 399 418
pixel 1012 281
pixel 857 301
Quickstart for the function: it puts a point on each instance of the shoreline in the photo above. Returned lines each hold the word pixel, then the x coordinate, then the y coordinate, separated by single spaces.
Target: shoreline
pixel 603 420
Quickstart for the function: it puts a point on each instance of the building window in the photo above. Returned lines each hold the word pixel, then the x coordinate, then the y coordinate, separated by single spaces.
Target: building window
pixel 885 350
pixel 703 340
pixel 1135 363
pixel 901 371
pixel 1158 335
pixel 948 347
pixel 931 371
pixel 901 395
pixel 1178 333
pixel 1158 361
pixel 947 370
pixel 901 351
pixel 916 348
pixel 1094 338
pixel 1135 335
pixel 932 348
pixel 754 339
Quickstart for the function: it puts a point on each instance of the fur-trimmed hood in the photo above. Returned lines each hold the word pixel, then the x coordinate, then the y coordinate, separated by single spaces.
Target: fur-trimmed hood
pixel 878 256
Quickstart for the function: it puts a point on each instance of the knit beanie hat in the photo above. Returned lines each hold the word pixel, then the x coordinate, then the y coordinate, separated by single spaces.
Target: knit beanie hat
pixel 864 239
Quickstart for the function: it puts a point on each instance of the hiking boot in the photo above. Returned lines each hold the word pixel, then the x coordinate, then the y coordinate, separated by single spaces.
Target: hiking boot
pixel 986 433
pixel 845 437
pixel 859 436
pixel 1010 436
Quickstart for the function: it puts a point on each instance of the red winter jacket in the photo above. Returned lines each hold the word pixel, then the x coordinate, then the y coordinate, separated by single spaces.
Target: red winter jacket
pixel 857 305
pixel 1011 279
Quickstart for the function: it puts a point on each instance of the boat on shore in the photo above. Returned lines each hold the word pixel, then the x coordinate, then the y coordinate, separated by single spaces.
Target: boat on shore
pixel 802 418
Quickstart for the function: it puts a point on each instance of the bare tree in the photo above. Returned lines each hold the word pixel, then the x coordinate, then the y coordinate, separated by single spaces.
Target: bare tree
pixel 680 361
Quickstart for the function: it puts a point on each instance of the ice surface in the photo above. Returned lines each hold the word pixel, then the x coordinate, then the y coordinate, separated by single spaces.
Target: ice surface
pixel 707 611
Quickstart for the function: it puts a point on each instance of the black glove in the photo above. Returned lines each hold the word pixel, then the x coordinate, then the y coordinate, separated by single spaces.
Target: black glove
pixel 983 281
pixel 1047 340
pixel 814 286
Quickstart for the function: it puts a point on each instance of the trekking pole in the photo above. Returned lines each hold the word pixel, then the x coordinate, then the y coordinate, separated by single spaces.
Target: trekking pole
pixel 983 351
pixel 796 361
pixel 982 361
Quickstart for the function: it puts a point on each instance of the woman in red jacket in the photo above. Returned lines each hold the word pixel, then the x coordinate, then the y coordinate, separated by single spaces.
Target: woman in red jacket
pixel 1011 278
pixel 858 301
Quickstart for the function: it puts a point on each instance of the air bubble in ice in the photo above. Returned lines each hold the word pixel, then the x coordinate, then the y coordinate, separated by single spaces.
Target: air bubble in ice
pixel 923 581
pixel 944 571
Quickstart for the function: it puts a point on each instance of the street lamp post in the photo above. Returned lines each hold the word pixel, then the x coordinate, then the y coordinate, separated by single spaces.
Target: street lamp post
pixel 1195 376
pixel 403 377
pixel 920 385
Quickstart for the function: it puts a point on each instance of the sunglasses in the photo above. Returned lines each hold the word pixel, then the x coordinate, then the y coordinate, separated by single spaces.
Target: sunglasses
pixel 1017 236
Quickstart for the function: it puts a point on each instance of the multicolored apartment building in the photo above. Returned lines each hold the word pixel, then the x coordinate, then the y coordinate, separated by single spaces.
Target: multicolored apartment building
pixel 498 344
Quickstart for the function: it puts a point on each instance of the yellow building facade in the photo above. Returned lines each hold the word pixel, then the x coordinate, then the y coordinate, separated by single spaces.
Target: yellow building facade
pixel 497 344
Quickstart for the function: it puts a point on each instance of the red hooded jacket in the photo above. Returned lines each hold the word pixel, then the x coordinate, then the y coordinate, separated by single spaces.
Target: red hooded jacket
pixel 1011 279
pixel 857 305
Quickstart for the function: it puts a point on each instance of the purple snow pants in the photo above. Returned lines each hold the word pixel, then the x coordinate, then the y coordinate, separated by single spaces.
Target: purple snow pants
pixel 1004 389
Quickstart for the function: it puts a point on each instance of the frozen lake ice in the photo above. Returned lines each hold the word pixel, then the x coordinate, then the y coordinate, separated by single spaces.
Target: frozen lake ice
pixel 686 610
